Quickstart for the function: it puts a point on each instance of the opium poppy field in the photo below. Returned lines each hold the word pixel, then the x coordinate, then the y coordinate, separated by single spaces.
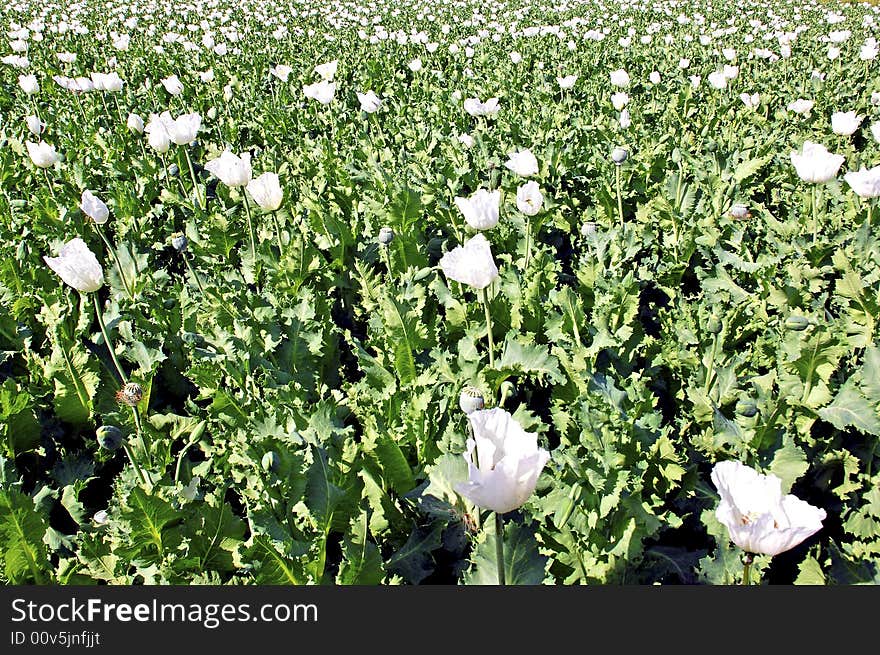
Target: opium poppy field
pixel 371 293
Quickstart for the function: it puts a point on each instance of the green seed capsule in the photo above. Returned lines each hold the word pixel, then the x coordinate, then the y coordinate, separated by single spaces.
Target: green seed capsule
pixel 747 407
pixel 109 437
pixel 797 323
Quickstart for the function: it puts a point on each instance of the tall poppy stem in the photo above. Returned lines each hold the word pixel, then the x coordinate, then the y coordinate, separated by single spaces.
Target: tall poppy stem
pixel 107 342
pixel 247 210
pixel 489 328
pixel 499 547
pixel 192 174
pixel 619 196
pixel 128 289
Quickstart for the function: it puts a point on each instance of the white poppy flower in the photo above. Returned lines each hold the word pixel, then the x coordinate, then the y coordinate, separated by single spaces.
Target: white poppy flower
pixel 480 210
pixel 504 462
pixel 471 264
pixel 758 518
pixel 77 266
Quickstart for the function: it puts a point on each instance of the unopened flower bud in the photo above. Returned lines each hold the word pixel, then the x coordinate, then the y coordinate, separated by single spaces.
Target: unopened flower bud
pixel 101 517
pixel 109 437
pixel 619 155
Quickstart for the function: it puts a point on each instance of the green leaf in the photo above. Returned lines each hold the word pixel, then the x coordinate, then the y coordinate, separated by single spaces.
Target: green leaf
pixel 22 529
pixel 851 409
pixel 789 463
pixel 523 564
pixel 361 560
pixel 322 496
pixel 810 572
pixel 414 560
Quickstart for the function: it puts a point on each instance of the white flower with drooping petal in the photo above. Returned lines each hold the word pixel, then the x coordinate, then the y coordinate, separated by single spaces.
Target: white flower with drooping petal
pixel 654 77
pixel 619 100
pixel 415 65
pixel 42 154
pixel 157 132
pixel 35 125
pixel 28 84
pixel 266 191
pixel 815 164
pixel 515 57
pixel 77 266
pixel 845 123
pixel 566 82
pixel 717 80
pixel 135 123
pixel 474 107
pixel 281 71
pixel 529 199
pixel 625 120
pixel 232 170
pixel 522 163
pixel 93 207
pixel 750 101
pixel 758 518
pixel 481 209
pixel 322 91
pixel 183 129
pixel 173 85
pixel 865 182
pixel 504 462
pixel 619 78
pixel 327 71
pixel 801 106
pixel 370 102
pixel 471 264
pixel 466 139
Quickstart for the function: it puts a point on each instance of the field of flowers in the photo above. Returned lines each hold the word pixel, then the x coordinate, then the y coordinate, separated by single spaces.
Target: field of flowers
pixel 336 292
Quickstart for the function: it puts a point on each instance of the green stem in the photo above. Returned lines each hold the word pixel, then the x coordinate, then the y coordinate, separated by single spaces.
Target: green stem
pixel 489 329
pixel 134 463
pixel 145 441
pixel 815 203
pixel 747 567
pixel 528 243
pixel 128 289
pixel 107 341
pixel 499 547
pixel 619 196
pixel 192 174
pixel 247 210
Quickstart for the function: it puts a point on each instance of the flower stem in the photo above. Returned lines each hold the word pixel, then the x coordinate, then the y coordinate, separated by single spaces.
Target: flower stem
pixel 107 341
pixel 528 243
pixel 247 211
pixel 192 174
pixel 489 328
pixel 815 204
pixel 747 567
pixel 134 463
pixel 112 250
pixel 499 547
pixel 619 196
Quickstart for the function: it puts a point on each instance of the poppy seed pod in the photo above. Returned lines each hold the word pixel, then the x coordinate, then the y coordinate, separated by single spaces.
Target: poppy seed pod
pixel 619 155
pixel 109 437
pixel 470 400
pixel 386 236
pixel 131 394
